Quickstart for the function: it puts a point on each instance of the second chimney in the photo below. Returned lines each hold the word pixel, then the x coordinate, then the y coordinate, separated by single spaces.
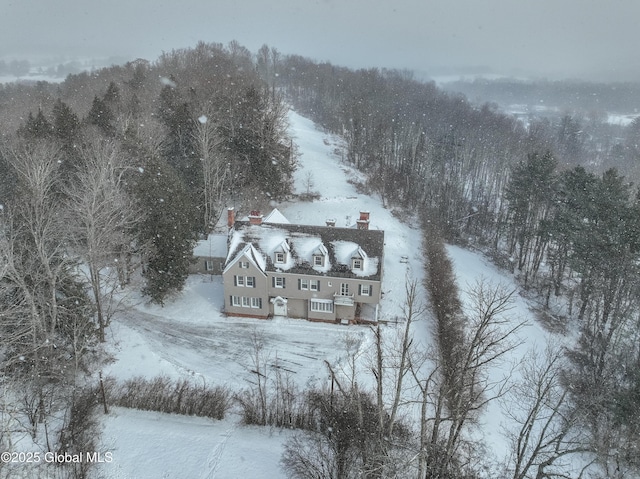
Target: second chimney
pixel 255 218
pixel 363 222
pixel 231 217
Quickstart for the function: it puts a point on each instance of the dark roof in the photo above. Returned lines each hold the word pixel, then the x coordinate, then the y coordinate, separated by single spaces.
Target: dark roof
pixel 370 241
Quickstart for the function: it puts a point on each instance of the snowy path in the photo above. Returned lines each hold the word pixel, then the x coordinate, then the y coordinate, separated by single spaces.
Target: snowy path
pixel 189 337
pixel 321 155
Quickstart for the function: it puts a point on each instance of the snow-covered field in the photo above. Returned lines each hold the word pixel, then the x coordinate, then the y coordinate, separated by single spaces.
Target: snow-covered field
pixel 189 337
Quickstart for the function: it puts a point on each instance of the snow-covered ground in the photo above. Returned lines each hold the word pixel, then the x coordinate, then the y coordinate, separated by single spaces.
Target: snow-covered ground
pixel 621 119
pixel 189 337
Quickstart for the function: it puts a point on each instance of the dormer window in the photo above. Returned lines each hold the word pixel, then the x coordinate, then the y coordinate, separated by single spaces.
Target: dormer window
pixel 280 257
pixel 320 256
pixel 357 263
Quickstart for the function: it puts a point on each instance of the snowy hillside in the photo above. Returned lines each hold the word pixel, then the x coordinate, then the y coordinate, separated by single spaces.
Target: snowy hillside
pixel 190 337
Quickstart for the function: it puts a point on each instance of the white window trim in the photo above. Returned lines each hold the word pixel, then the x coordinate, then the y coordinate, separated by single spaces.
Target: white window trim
pixel 244 264
pixel 314 285
pixel 344 289
pixel 279 279
pixel 246 302
pixel 279 255
pixel 240 281
pixel 255 303
pixel 250 282
pixel 321 305
pixel 304 284
pixel 365 290
pixel 236 301
pixel 357 263
pixel 318 260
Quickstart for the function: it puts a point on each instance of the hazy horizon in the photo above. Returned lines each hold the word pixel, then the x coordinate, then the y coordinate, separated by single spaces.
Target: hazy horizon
pixel 578 39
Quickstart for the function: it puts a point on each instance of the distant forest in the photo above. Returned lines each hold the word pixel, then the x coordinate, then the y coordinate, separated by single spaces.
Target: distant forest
pixel 567 95
pixel 120 170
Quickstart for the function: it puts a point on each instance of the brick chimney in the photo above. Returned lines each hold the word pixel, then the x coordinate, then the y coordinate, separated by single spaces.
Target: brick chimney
pixel 330 222
pixel 363 222
pixel 231 217
pixel 255 218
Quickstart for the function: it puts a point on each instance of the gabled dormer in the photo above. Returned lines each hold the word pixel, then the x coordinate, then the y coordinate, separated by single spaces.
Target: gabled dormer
pixel 320 256
pixel 281 254
pixel 358 260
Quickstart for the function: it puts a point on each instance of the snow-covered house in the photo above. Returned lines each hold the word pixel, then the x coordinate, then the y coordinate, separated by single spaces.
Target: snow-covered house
pixel 321 273
pixel 210 255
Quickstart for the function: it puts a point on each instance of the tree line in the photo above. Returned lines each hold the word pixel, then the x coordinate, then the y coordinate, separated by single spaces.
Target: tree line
pixel 110 177
pixel 118 171
pixel 540 198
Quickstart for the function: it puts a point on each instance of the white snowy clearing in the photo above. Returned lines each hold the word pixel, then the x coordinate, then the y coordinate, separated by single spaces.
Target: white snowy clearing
pixel 189 337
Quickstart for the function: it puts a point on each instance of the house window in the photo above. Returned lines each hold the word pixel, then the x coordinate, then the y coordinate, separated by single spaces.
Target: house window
pixel 365 290
pixel 235 301
pixel 244 264
pixel 303 284
pixel 357 263
pixel 256 303
pixel 248 281
pixel 321 305
pixel 318 260
pixel 279 257
pixel 344 289
pixel 314 285
pixel 246 302
pixel 208 265
pixel 278 282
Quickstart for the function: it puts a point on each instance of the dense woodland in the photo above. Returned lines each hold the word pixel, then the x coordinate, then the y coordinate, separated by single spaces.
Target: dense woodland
pixel 540 199
pixel 115 173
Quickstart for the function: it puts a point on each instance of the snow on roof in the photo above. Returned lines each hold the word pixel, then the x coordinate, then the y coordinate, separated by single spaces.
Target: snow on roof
pixel 306 246
pixel 271 242
pixel 214 246
pixel 252 254
pixel 276 217
pixel 301 242
pixel 346 251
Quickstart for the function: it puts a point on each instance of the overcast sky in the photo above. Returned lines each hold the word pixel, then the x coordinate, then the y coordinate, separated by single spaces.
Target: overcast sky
pixel 589 39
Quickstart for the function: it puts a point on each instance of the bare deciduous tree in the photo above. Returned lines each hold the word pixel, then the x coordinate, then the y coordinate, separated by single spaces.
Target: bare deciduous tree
pixel 102 216
pixel 215 169
pixel 460 385
pixel 544 431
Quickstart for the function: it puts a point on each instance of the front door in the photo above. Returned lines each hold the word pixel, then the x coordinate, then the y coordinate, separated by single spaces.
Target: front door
pixel 279 306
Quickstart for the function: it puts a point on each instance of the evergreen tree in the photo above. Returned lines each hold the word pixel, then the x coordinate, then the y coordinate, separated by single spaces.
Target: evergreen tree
pixel 112 95
pixel 180 149
pixel 530 197
pixel 165 233
pixel 37 127
pixel 255 140
pixel 102 116
pixel 66 124
pixel 66 130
